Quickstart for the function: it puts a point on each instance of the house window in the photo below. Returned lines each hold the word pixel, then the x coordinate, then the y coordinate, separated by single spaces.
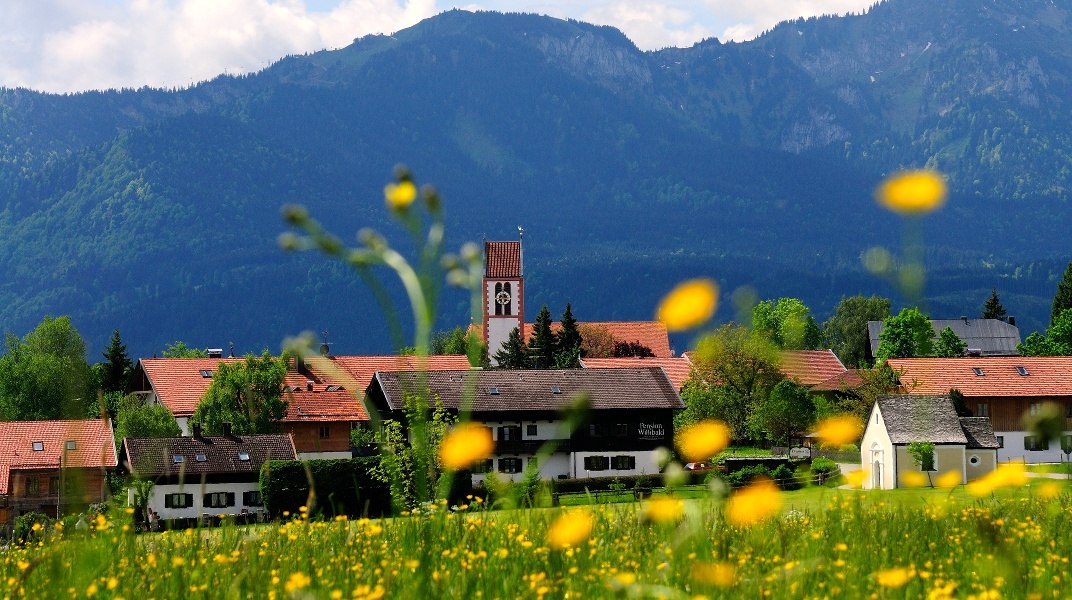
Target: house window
pixel 33 487
pixel 178 500
pixel 510 465
pixel 252 498
pixel 484 466
pixel 1034 408
pixel 243 456
pixel 978 371
pixel 325 431
pixel 71 445
pixel 510 433
pixel 219 500
pixel 1066 444
pixel 200 458
pixel 53 486
pixel 982 409
pixel 38 446
pixel 597 429
pixel 1022 371
pixel 623 463
pixel 530 430
pixel 974 460
pixel 1068 412
pixel 1001 441
pixel 177 459
pixel 621 429
pixel 206 373
pixel 596 463
pixel 1035 444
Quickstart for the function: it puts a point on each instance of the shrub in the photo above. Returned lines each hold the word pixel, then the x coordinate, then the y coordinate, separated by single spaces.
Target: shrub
pixel 786 478
pixel 23 531
pixel 823 469
pixel 745 475
pixel 341 487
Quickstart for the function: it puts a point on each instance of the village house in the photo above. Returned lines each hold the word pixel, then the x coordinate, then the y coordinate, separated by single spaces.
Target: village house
pixel 53 467
pixel 630 412
pixel 677 368
pixel 202 476
pixel 984 337
pixel 1006 389
pixel 965 445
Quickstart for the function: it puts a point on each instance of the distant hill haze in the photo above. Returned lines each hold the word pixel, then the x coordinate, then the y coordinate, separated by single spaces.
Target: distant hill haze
pixel 157 211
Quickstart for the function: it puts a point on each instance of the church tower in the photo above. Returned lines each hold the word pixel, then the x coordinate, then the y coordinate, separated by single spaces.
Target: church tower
pixel 504 287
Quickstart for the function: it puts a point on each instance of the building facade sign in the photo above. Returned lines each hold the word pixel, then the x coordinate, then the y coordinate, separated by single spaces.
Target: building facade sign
pixel 651 431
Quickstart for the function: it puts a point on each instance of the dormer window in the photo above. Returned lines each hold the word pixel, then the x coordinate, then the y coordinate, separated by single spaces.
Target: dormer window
pixel 71 445
pixel 177 459
pixel 206 373
pixel 494 391
pixel 243 456
pixel 556 390
pixel 334 388
pixel 38 446
pixel 200 458
pixel 1022 371
pixel 978 371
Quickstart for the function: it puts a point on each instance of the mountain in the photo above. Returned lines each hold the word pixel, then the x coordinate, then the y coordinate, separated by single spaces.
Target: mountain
pixel 157 211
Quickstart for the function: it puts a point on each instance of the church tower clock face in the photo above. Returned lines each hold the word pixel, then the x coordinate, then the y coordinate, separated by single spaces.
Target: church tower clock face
pixel 503 298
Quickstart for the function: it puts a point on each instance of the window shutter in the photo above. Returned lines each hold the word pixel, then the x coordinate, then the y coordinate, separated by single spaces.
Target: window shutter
pixel 230 499
pixel 189 500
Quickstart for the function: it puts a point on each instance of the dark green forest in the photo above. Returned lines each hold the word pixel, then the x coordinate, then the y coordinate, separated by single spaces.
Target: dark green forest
pixel 157 211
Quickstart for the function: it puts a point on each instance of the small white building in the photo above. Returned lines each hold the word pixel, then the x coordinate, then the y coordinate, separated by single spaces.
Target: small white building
pixel 966 445
pixel 203 476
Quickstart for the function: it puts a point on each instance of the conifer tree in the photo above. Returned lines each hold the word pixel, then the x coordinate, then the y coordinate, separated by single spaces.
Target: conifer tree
pixel 993 309
pixel 1062 300
pixel 512 354
pixel 116 369
pixel 542 346
pixel 569 342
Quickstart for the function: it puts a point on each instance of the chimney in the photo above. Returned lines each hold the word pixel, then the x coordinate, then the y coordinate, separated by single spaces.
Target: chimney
pixel 964 318
pixel 197 430
pixel 1012 320
pixel 308 386
pixel 214 352
pixel 227 429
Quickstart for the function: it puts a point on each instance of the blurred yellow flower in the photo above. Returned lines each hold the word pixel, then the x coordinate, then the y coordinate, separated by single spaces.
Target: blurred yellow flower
pixel 1049 489
pixel 894 578
pixel 297 581
pixel 700 441
pixel 689 304
pixel 663 509
pixel 912 192
pixel 948 479
pixel 913 479
pixel 464 445
pixel 718 574
pixel 400 195
pixel 756 502
pixel 839 430
pixel 856 478
pixel 570 529
pixel 1006 475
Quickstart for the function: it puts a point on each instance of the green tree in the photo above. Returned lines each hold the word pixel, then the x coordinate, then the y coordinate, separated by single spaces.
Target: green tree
pixel 632 350
pixel 704 401
pixel 785 322
pixel 596 341
pixel 846 330
pixel 1057 341
pixel 450 342
pixel 905 335
pixel 513 354
pixel 117 365
pixel 949 344
pixel 44 376
pixel 740 367
pixel 179 349
pixel 788 410
pixel 992 308
pixel 1062 300
pixel 959 403
pixel 409 457
pixel 135 419
pixel 542 346
pixel 247 394
pixel 569 341
pixel 922 454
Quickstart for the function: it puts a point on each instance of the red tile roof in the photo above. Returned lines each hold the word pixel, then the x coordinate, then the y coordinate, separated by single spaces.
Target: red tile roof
pixel 811 367
pixel 849 380
pixel 1046 375
pixel 502 259
pixel 360 369
pixel 649 333
pixel 94 446
pixel 677 369
pixel 178 382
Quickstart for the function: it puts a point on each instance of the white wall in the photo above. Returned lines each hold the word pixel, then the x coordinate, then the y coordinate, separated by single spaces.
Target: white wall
pixel 876 446
pixel 325 455
pixel 156 499
pixel 1013 449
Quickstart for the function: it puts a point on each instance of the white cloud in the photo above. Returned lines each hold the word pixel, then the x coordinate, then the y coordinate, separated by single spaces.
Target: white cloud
pixel 749 18
pixel 176 42
pixel 650 25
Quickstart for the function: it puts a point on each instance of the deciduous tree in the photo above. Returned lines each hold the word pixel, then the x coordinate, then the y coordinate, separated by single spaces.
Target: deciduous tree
pixel 949 344
pixel 907 334
pixel 788 409
pixel 248 394
pixel 846 330
pixel 136 419
pixel 1057 341
pixel 45 376
pixel 179 349
pixel 785 322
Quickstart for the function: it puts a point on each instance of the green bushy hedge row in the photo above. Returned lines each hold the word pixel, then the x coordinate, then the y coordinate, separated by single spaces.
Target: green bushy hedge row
pixel 341 487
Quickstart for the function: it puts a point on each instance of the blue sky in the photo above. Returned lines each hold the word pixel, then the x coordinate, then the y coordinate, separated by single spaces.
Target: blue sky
pixel 74 45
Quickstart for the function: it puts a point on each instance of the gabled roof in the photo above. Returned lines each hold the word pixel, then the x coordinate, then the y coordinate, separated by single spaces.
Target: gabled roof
pixel 178 382
pixel 1000 376
pixel 980 433
pixel 151 457
pixel 921 419
pixel 324 403
pixel 648 333
pixel 361 368
pixel 811 367
pixel 849 380
pixel 502 259
pixel 520 390
pixel 94 446
pixel 988 337
pixel 677 369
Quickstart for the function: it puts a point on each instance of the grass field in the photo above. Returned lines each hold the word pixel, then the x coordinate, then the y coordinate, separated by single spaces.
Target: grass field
pixel 822 543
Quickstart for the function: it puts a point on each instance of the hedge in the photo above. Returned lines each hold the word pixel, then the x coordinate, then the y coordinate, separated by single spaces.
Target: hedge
pixel 343 487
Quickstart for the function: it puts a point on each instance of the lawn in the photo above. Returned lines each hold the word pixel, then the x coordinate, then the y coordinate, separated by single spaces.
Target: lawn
pixel 822 543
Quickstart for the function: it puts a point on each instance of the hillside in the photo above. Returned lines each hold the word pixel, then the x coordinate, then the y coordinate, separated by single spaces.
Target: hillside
pixel 157 211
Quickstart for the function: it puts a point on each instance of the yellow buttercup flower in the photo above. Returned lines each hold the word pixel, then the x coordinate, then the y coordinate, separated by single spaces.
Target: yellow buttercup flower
pixel 700 441
pixel 856 478
pixel 297 581
pixel 839 430
pixel 1048 489
pixel 912 192
pixel 718 574
pixel 570 529
pixel 1006 475
pixel 894 578
pixel 948 479
pixel 465 445
pixel 689 304
pixel 756 502
pixel 664 509
pixel 400 195
pixel 913 479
